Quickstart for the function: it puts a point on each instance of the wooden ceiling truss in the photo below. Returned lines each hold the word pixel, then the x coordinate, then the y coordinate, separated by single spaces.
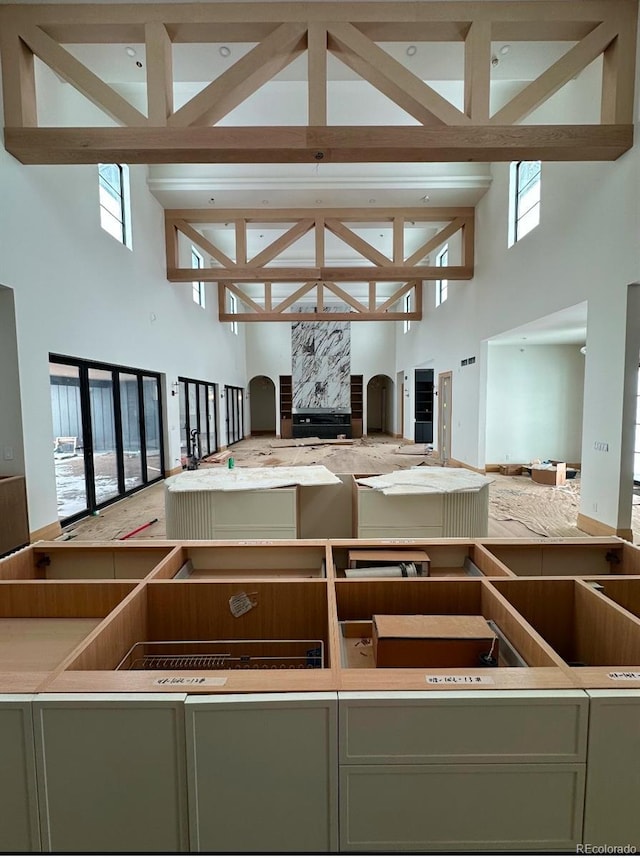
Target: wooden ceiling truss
pixel 353 32
pixel 267 266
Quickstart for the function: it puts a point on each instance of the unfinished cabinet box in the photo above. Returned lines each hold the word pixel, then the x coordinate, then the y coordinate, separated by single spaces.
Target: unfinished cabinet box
pixel 434 515
pixel 41 623
pixel 261 559
pixel 206 635
pixel 254 514
pixel 55 561
pixel 522 657
pixel 111 773
pixel 572 557
pixel 19 829
pixel 263 773
pixel 454 558
pixel 586 629
pixel 468 771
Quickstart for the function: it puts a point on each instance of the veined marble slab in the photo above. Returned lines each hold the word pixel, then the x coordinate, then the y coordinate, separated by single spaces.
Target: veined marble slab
pixel 245 479
pixel 321 364
pixel 430 480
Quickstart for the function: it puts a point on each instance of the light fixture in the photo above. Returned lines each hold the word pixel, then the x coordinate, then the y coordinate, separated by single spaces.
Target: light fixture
pixel 426 198
pixel 495 61
pixel 212 200
pixel 175 388
pixel 504 50
pixel 412 51
pixel 372 200
pixel 583 350
pixel 130 52
pixel 224 51
pixel 265 202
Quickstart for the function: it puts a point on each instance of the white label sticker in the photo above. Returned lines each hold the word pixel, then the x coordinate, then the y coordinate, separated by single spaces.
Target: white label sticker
pixel 255 542
pixel 397 541
pixel 627 674
pixel 191 680
pixel 434 679
pixel 242 602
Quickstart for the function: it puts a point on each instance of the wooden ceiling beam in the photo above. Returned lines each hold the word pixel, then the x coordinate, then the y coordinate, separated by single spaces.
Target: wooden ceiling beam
pixel 348 299
pixel 337 144
pixel 440 237
pixel 555 77
pixel 319 317
pixel 159 62
pixel 344 274
pixel 249 302
pixel 356 243
pixel 396 296
pixel 204 244
pixel 79 76
pixel 244 77
pixel 306 287
pixel 257 217
pixel 390 77
pixel 283 242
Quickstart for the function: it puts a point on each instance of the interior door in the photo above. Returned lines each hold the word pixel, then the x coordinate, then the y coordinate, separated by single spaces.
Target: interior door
pixel 444 416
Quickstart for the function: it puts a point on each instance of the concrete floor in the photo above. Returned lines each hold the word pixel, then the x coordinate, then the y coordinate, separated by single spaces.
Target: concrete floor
pixel 517 506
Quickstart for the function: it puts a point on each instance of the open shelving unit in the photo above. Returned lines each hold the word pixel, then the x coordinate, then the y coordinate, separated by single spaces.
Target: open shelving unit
pixel 286 406
pixel 239 657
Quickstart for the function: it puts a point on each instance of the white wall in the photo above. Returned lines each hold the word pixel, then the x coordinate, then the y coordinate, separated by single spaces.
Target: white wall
pixel 79 292
pixel 534 403
pixel 11 443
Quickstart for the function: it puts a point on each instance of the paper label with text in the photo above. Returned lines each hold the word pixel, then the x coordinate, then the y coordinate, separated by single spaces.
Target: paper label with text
pixel 191 680
pixel 629 675
pixel 475 679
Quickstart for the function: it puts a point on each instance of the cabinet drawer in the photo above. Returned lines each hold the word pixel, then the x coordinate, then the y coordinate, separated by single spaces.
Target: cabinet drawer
pixel 456 727
pixel 461 808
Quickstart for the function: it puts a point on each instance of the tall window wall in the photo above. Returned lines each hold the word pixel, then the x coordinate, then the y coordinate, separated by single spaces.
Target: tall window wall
pixel 107 433
pixel 234 402
pixel 199 412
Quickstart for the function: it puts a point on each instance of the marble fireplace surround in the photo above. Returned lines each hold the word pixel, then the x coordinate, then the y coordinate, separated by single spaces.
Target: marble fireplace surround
pixel 321 365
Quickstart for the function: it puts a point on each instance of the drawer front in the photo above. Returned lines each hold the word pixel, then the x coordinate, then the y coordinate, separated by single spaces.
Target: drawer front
pixel 468 728
pixel 461 808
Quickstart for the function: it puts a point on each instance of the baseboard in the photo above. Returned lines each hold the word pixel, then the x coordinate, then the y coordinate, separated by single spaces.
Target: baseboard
pixel 598 528
pixel 50 531
pixel 492 469
pixel 455 463
pixel 173 471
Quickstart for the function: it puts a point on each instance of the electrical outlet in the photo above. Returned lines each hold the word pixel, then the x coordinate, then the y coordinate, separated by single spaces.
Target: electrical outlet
pixel 506 457
pixel 601 446
pixel 7 454
pixel 595 507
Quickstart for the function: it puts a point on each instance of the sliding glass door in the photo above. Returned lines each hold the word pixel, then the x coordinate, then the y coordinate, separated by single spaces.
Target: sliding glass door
pixel 199 411
pixel 234 401
pixel 107 433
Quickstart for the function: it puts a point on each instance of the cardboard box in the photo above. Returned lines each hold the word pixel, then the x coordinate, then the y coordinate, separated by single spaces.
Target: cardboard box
pixel 431 640
pixel 553 476
pixel 511 470
pixel 381 557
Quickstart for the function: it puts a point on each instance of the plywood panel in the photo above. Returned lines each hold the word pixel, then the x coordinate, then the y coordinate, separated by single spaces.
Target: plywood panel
pixel 604 634
pixel 57 599
pixel 40 644
pixel 359 600
pixel 14 523
pixel 199 610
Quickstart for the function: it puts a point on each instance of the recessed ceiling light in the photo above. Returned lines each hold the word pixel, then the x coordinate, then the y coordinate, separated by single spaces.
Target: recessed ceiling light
pixel 504 50
pixel 318 201
pixel 372 200
pixel 130 52
pixel 426 198
pixel 224 51
pixel 412 51
pixel 265 202
pixel 212 200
